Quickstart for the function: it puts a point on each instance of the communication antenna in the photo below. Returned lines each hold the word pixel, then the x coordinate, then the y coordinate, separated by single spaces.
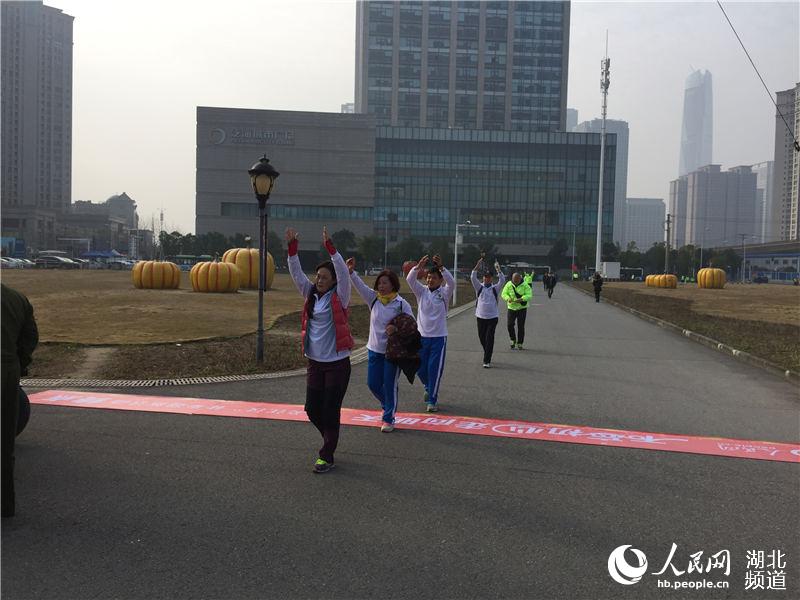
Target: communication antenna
pixel 605 81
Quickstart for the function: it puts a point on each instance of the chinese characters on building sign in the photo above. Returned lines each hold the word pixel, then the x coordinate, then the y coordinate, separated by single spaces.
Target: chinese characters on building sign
pixel 253 135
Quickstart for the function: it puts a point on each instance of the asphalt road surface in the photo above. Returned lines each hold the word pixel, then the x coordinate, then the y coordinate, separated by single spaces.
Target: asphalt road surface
pixel 115 504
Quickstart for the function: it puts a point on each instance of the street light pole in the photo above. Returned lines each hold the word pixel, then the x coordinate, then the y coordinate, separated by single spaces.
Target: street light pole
pixel 572 264
pixel 386 243
pixel 389 217
pixel 744 254
pixel 262 177
pixel 469 225
pixel 262 280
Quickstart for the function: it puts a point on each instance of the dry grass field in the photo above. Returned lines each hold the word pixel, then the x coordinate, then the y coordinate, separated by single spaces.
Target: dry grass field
pixel 96 324
pixel 772 303
pixel 102 307
pixel 763 320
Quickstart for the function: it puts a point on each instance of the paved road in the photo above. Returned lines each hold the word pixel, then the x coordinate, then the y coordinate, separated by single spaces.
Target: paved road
pixel 138 505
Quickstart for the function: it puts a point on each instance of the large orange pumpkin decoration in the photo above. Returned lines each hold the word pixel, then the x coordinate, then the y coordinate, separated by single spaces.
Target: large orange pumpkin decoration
pixel 710 278
pixel 662 281
pixel 215 277
pixel 246 259
pixel 156 275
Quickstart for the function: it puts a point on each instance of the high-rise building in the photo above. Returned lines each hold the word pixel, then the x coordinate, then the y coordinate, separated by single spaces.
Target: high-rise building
pixel 572 119
pixel 464 65
pixel 645 222
pixel 713 208
pixel 36 120
pixel 698 122
pixel 460 115
pixel 786 190
pixel 764 179
pixel 620 128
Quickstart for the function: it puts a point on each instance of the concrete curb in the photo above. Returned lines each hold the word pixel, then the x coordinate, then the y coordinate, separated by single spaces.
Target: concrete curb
pixel 706 341
pixel 358 356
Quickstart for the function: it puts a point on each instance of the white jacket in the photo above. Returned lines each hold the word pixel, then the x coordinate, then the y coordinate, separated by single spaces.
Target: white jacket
pixel 380 315
pixel 486 307
pixel 432 305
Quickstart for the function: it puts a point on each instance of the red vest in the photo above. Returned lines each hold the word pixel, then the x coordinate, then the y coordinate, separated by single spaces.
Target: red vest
pixel 344 340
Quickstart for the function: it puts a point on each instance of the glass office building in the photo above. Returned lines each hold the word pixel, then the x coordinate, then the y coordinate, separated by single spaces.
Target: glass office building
pixel 525 190
pixel 470 65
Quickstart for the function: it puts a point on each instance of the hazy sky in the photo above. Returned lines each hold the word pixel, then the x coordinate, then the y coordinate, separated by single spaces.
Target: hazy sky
pixel 141 69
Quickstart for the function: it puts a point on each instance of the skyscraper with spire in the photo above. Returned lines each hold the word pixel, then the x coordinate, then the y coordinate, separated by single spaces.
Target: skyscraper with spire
pixel 698 123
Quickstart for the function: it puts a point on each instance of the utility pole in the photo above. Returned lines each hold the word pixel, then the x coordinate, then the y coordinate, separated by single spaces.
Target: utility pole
pixel 160 231
pixel 605 81
pixel 386 244
pixel 666 247
pixel 744 253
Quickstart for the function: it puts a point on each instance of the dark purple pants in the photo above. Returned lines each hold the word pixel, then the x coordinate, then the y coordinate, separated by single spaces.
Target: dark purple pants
pixel 326 386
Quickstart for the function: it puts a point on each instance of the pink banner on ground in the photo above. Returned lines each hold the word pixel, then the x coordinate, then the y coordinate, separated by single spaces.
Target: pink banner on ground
pixel 547 432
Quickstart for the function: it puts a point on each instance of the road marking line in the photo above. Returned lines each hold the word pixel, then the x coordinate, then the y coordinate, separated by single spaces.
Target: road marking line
pixel 616 438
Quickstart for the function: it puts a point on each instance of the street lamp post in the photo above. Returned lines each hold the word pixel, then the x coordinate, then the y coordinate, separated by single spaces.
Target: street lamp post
pixel 389 217
pixel 703 245
pixel 262 177
pixel 572 267
pixel 468 225
pixel 744 253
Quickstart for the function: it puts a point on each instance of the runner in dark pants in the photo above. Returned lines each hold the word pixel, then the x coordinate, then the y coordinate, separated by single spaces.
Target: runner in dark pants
pixel 19 338
pixel 326 342
pixel 597 283
pixel 552 280
pixel 486 310
pixel 517 294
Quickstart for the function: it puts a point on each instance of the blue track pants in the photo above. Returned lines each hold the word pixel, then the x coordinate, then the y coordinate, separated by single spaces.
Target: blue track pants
pixel 382 378
pixel 431 367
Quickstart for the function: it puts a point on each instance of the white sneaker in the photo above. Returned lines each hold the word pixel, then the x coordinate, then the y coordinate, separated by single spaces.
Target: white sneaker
pixel 487 366
pixel 387 428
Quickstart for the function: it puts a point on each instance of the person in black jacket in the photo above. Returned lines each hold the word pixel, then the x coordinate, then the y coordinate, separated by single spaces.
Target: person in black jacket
pixel 550 283
pixel 19 339
pixel 597 283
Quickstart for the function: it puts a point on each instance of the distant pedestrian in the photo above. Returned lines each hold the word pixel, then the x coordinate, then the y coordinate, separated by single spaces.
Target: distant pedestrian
pixel 326 342
pixel 517 293
pixel 552 280
pixel 385 303
pixel 432 304
pixel 529 278
pixel 597 283
pixel 486 306
pixel 19 339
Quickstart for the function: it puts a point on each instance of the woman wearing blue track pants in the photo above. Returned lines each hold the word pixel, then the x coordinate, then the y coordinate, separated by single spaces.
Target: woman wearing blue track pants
pixel 432 303
pixel 385 303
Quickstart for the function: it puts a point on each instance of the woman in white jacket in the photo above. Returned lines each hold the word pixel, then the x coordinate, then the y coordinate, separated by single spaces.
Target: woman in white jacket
pixel 385 303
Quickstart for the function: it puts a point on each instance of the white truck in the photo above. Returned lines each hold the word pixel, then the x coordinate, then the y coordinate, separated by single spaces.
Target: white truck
pixel 610 270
